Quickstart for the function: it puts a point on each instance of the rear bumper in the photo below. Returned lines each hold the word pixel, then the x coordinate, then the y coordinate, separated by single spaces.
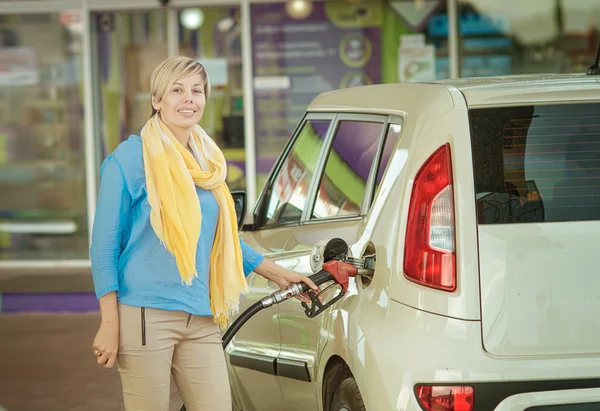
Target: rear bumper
pixel 554 395
pixel 592 406
pixel 412 347
pixel 556 400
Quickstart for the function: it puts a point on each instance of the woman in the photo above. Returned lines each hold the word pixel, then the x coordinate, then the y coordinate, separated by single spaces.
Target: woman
pixel 167 263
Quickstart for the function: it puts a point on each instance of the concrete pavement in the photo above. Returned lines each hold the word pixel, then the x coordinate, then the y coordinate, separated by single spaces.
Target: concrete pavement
pixel 47 364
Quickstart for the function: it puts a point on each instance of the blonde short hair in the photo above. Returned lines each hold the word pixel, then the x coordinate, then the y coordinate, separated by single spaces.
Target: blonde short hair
pixel 172 69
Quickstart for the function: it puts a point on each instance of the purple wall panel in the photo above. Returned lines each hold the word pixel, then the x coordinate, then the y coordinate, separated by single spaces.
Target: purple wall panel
pixel 55 302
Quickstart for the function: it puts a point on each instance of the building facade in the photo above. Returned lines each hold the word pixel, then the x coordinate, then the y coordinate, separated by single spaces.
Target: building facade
pixel 74 83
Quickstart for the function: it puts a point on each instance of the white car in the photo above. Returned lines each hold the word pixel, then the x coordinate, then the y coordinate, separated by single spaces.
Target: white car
pixel 480 200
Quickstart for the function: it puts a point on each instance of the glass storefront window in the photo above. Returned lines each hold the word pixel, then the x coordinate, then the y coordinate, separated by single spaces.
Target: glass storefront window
pixel 212 36
pixel 42 170
pixel 128 46
pixel 315 47
pixel 415 41
pixel 526 37
pixel 299 53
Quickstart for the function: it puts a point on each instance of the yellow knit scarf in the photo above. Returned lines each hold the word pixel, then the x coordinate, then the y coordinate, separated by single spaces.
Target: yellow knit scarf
pixel 176 216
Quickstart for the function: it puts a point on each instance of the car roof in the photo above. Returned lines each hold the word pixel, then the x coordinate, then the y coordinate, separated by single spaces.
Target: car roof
pixel 523 80
pixel 477 91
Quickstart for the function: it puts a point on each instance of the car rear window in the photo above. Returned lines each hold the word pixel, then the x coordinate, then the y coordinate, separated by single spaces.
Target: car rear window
pixel 536 163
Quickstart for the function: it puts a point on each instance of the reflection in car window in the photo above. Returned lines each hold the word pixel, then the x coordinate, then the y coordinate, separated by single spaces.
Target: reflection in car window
pixel 391 139
pixel 537 163
pixel 349 163
pixel 290 187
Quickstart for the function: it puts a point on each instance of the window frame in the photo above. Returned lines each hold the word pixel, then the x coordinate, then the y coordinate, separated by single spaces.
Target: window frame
pixel 383 119
pixel 392 120
pixel 274 173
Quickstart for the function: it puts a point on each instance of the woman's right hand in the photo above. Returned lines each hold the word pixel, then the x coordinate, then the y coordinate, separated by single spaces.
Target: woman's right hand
pixel 106 343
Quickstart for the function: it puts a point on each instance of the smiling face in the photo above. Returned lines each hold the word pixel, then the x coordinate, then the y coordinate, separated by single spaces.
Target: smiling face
pixel 179 87
pixel 182 105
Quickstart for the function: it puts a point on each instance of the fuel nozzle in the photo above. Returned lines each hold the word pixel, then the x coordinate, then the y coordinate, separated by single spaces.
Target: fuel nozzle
pixel 337 249
pixel 331 260
pixel 338 271
pixel 284 294
pixel 333 270
pixel 334 260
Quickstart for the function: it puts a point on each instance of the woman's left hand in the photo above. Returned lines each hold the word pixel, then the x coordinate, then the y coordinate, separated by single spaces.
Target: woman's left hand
pixel 287 278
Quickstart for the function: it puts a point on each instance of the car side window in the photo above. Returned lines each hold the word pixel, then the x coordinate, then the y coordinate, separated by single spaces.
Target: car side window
pixel 288 191
pixel 344 181
pixel 391 138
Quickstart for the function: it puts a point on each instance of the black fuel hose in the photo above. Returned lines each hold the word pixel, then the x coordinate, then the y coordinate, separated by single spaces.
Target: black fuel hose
pixel 319 278
pixel 237 324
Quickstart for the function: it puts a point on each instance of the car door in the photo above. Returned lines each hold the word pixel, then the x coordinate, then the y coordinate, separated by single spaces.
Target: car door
pixel 253 351
pixel 349 176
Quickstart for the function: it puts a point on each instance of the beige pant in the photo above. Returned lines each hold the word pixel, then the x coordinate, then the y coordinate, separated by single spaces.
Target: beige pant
pixel 155 343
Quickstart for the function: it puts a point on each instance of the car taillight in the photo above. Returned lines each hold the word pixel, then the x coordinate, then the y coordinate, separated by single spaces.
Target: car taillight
pixel 445 398
pixel 429 257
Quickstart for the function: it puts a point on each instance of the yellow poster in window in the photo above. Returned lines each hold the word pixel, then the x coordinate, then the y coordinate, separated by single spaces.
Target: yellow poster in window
pixel 354 15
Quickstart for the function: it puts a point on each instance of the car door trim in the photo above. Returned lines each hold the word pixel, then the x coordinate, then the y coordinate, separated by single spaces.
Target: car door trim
pixel 294 369
pixel 256 362
pixel 333 219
